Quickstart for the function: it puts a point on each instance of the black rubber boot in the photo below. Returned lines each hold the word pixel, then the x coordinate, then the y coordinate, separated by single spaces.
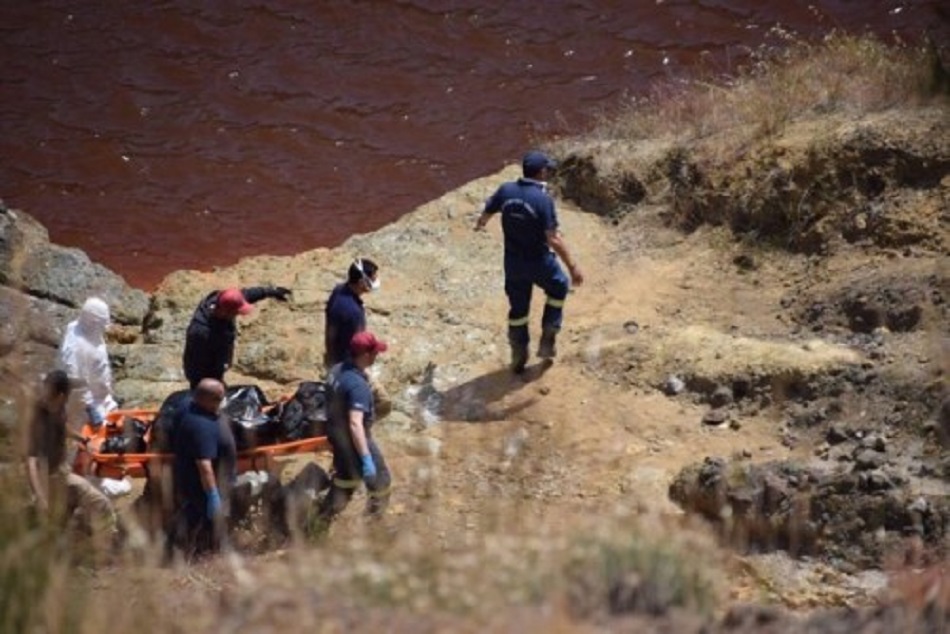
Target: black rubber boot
pixel 546 346
pixel 519 358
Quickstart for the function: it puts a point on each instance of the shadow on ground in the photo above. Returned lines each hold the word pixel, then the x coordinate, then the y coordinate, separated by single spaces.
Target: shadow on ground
pixel 482 399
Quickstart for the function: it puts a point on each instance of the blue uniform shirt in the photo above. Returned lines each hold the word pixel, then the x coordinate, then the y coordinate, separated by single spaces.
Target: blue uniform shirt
pixel 350 390
pixel 527 214
pixel 195 437
pixel 345 316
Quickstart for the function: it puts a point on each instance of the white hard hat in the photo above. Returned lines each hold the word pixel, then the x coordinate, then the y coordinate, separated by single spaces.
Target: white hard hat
pixel 95 307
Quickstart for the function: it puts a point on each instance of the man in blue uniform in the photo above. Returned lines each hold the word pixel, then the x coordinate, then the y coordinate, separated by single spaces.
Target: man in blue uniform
pixel 345 314
pixel 195 443
pixel 356 457
pixel 532 238
pixel 209 341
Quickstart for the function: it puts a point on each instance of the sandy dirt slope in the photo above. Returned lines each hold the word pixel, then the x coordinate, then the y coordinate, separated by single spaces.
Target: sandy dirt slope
pixel 496 476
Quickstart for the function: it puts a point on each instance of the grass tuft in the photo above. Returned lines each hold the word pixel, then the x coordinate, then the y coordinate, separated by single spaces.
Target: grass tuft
pixel 841 74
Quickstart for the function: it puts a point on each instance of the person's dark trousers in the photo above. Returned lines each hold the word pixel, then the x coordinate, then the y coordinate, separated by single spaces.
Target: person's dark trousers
pixel 348 475
pixel 520 278
pixel 191 532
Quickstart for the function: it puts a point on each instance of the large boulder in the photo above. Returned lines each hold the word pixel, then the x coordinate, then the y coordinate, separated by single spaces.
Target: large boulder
pixel 30 263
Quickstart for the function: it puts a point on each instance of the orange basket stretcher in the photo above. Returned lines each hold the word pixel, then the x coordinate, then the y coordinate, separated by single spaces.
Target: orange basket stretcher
pixel 90 461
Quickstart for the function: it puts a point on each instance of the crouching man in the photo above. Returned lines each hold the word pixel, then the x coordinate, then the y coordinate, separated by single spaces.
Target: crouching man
pixel 356 457
pixel 198 525
pixel 56 490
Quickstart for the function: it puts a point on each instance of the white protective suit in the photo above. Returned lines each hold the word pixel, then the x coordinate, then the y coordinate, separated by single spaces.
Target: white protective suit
pixel 84 356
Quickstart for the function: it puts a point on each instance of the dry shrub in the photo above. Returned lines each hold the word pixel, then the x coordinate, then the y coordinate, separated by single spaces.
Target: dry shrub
pixel 34 568
pixel 841 74
pixel 643 572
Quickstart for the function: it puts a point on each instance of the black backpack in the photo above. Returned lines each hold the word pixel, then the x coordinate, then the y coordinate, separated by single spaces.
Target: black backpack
pixel 305 415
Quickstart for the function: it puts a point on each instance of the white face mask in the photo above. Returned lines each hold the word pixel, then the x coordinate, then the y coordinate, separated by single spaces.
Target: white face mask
pixel 373 284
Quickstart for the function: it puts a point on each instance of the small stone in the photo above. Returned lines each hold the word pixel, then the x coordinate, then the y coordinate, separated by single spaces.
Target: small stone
pixel 878 481
pixel 631 327
pixel 715 417
pixel 868 459
pixel 746 453
pixel 877 443
pixel 919 505
pixel 735 425
pixel 674 385
pixel 544 390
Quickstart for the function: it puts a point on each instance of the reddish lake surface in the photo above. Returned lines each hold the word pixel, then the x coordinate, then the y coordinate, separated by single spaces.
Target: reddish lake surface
pixel 167 135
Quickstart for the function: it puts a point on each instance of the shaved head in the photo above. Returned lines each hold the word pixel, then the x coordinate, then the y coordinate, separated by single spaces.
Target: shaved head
pixel 209 393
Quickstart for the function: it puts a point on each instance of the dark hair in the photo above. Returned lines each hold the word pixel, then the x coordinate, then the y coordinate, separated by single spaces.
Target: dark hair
pixel 57 382
pixel 359 268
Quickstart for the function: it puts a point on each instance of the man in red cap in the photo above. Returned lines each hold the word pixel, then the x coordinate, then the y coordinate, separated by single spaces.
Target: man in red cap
pixel 356 457
pixel 209 342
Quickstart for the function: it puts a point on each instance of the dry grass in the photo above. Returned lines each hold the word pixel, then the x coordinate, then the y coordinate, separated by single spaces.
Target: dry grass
pixel 841 74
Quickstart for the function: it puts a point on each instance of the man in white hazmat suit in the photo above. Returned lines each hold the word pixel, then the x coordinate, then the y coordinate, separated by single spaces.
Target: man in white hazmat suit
pixel 84 357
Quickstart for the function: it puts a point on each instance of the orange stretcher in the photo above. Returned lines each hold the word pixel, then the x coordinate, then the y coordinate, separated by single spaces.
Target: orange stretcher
pixel 90 461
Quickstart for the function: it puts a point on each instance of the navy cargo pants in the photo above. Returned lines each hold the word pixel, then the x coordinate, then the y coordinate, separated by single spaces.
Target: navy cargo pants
pixel 348 474
pixel 521 276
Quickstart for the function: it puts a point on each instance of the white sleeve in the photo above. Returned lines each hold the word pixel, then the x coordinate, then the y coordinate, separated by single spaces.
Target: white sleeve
pixel 67 352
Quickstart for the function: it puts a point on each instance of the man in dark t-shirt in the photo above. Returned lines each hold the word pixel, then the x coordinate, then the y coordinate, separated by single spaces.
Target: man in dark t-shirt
pixel 194 439
pixel 345 313
pixel 56 490
pixel 357 458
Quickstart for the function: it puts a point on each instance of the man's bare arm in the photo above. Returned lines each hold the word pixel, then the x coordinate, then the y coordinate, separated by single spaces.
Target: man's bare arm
pixel 556 242
pixel 358 433
pixel 33 475
pixel 206 471
pixel 482 221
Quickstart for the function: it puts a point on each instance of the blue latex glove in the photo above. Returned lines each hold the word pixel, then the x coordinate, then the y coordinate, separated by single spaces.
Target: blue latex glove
pixel 214 503
pixel 369 467
pixel 95 418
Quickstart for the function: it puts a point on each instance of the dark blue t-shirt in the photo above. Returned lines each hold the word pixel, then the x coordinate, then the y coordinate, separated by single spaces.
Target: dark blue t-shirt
pixel 195 438
pixel 527 214
pixel 350 390
pixel 345 316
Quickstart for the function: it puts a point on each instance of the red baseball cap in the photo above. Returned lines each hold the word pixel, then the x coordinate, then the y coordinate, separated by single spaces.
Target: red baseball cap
pixel 231 301
pixel 363 342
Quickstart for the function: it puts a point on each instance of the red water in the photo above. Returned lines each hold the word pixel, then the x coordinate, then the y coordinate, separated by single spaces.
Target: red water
pixel 159 136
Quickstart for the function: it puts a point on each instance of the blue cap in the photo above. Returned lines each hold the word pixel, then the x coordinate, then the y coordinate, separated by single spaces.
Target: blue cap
pixel 534 161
